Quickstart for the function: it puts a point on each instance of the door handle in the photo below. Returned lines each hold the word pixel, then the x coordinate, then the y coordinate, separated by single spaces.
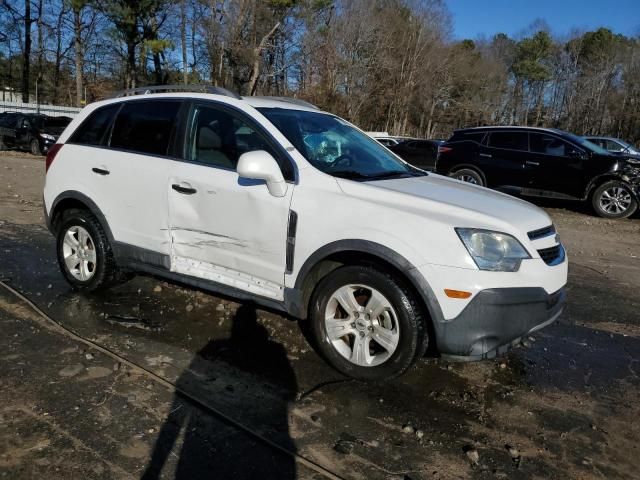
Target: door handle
pixel 100 171
pixel 185 190
pixel 535 164
pixel 487 155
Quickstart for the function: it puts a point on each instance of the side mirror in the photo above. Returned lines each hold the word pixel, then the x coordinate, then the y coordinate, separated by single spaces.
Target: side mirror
pixel 260 165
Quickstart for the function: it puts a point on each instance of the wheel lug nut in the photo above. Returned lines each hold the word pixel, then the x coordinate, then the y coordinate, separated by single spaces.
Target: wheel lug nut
pixel 353 324
pixel 362 334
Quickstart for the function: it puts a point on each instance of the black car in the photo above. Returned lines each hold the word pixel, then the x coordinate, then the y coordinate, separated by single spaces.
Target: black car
pixel 419 153
pixel 32 132
pixel 544 163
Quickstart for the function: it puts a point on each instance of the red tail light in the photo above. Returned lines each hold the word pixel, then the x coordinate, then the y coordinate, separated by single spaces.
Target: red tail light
pixel 51 155
pixel 444 149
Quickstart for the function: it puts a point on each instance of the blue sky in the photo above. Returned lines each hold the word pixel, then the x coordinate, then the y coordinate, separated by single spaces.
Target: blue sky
pixel 472 18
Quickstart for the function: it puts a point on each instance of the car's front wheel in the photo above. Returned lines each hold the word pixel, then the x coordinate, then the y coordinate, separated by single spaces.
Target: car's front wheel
pixel 367 324
pixel 468 175
pixel 614 199
pixel 34 147
pixel 84 253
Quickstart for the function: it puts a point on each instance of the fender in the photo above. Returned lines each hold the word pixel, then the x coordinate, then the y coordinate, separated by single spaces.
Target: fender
pixel 86 201
pixel 619 175
pixel 417 281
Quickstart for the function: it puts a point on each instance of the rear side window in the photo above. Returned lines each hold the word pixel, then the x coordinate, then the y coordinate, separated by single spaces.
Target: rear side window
pixel 471 136
pixel 145 127
pixel 94 129
pixel 510 140
pixel 549 145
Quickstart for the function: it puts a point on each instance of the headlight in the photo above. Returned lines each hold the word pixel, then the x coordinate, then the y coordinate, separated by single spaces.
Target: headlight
pixel 46 136
pixel 493 251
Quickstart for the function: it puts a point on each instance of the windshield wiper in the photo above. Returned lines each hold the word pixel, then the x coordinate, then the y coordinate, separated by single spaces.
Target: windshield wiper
pixel 348 174
pixel 389 175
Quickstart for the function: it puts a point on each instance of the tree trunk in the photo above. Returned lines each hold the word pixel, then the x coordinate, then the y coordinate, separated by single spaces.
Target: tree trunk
pixel 26 53
pixel 183 39
pixel 77 40
pixel 131 76
pixel 257 56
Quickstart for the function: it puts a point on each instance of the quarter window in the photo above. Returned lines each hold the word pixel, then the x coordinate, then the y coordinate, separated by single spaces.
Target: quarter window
pixel 509 140
pixel 145 127
pixel 549 145
pixel 94 129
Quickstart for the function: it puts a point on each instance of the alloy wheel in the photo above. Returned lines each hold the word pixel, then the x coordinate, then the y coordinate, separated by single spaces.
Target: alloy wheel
pixel 468 179
pixel 79 252
pixel 362 325
pixel 615 200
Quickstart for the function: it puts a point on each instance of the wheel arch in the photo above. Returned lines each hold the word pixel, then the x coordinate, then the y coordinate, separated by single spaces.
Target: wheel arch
pixel 363 252
pixel 74 199
pixel 606 177
pixel 461 166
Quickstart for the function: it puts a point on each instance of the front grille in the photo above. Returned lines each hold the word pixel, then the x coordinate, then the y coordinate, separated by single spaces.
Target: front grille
pixel 541 232
pixel 552 255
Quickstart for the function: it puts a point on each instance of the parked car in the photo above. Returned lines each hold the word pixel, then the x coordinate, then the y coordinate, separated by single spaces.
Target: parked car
pixel 615 146
pixel 388 141
pixel 307 215
pixel 544 163
pixel 420 153
pixel 31 132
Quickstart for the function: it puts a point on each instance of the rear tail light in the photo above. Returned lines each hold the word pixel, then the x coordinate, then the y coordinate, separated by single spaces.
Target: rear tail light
pixel 444 149
pixel 51 155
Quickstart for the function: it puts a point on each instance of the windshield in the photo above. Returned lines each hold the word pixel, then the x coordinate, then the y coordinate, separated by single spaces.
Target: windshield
pixel 583 142
pixel 333 146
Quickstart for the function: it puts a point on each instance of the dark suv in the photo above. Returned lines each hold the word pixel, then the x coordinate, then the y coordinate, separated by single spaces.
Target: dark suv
pixel 32 132
pixel 419 153
pixel 543 163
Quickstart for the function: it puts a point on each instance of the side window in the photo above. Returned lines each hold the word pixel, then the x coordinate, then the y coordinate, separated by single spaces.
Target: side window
pixel 218 138
pixel 94 130
pixel 549 145
pixel 510 140
pixel 613 146
pixel 145 127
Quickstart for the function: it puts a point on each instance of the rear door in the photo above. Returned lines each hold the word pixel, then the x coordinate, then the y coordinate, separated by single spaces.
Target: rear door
pixel 556 165
pixel 225 228
pixel 503 159
pixel 125 172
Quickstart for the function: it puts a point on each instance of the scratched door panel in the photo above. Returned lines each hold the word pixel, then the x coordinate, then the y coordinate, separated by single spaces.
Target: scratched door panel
pixel 233 226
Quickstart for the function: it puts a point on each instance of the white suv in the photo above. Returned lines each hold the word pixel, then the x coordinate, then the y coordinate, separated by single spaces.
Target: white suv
pixel 273 201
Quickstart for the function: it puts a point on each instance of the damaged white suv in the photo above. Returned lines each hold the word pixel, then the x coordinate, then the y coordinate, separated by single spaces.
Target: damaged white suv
pixel 272 201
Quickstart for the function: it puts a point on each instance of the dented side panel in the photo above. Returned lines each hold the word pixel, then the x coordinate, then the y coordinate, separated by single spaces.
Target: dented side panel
pixel 231 230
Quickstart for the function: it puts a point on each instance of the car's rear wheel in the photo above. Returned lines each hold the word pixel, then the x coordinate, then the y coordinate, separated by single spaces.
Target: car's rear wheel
pixel 84 253
pixel 614 199
pixel 468 175
pixel 34 147
pixel 367 324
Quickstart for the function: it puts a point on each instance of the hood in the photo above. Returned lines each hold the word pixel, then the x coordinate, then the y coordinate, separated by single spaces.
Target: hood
pixel 453 202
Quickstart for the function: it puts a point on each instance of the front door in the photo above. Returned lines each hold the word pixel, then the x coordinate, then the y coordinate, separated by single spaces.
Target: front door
pixel 556 166
pixel 503 159
pixel 225 228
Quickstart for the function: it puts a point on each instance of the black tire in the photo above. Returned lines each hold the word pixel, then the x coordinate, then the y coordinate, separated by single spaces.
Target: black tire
pixel 34 147
pixel 412 325
pixel 105 272
pixel 469 175
pixel 605 207
pixel 2 144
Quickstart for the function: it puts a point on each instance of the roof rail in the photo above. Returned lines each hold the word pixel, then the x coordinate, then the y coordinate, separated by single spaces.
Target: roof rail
pixel 176 88
pixel 295 101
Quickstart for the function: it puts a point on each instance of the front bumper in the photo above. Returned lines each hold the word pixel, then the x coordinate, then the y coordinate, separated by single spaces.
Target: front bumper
pixel 495 319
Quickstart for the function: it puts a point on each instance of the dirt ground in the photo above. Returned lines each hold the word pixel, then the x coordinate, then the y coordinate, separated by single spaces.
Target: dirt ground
pixel 562 405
